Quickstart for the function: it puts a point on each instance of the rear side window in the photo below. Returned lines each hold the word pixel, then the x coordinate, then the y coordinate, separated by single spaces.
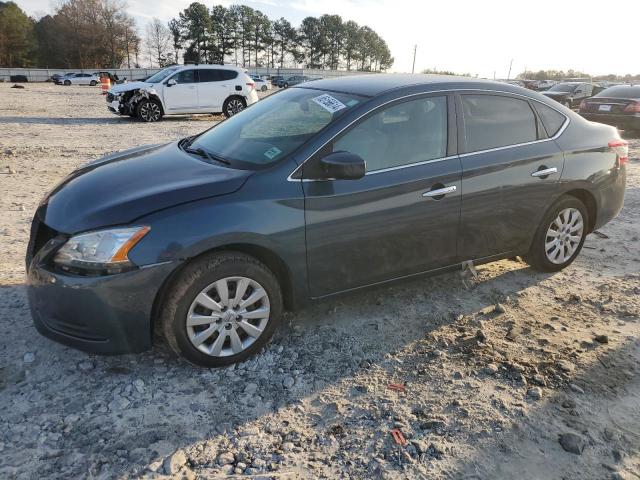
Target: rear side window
pixel 228 74
pixel 492 121
pixel 551 119
pixel 209 75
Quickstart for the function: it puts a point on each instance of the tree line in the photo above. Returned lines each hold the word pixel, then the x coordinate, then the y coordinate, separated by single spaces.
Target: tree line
pixel 101 34
pixel 80 34
pixel 245 36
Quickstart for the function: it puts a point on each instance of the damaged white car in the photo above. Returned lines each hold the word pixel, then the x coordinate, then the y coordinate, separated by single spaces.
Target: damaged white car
pixel 184 89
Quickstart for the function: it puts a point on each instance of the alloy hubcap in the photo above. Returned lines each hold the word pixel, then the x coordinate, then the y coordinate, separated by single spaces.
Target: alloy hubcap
pixel 150 111
pixel 228 316
pixel 234 107
pixel 564 236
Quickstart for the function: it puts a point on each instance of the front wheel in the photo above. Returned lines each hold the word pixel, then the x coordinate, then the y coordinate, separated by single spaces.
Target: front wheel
pixel 67 83
pixel 560 236
pixel 149 110
pixel 233 105
pixel 222 309
pixel 264 88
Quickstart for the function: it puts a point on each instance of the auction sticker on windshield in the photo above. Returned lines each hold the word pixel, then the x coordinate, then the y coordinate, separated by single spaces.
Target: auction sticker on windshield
pixel 329 103
pixel 272 153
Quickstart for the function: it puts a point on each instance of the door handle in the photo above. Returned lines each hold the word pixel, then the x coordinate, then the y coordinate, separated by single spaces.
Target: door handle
pixel 544 172
pixel 440 191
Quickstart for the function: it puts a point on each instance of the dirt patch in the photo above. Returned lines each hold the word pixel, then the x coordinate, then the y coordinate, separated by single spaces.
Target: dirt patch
pixel 512 375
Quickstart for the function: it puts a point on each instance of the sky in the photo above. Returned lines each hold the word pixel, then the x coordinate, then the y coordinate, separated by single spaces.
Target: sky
pixel 480 37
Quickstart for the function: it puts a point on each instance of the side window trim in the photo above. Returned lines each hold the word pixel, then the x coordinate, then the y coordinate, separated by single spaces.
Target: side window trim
pixel 461 130
pixel 450 146
pixel 560 130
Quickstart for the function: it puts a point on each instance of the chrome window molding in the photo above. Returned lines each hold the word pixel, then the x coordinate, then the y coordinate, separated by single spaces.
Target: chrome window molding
pixel 461 155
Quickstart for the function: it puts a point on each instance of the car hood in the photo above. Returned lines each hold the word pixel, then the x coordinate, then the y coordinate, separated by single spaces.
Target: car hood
pixel 127 87
pixel 120 188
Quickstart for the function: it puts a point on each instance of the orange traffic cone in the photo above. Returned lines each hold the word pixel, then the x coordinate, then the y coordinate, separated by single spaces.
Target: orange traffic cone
pixel 105 85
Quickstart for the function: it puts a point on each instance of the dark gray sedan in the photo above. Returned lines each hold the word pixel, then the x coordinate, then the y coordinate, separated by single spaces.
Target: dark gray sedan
pixel 321 189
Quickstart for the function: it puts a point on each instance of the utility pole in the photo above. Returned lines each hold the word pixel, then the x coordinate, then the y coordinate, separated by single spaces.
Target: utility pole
pixel 415 48
pixel 510 65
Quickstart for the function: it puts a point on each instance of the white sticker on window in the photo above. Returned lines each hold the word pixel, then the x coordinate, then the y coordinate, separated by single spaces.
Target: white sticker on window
pixel 272 153
pixel 329 103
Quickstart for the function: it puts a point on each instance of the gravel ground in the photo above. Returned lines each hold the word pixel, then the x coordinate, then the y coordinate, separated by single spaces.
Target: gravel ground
pixel 512 374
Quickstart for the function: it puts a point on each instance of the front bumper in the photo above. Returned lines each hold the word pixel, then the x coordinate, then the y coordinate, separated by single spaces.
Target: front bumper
pixel 623 122
pixel 108 314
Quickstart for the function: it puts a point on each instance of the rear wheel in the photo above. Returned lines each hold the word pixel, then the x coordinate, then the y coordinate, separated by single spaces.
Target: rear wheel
pixel 222 309
pixel 264 88
pixel 233 105
pixel 560 236
pixel 67 83
pixel 93 83
pixel 149 110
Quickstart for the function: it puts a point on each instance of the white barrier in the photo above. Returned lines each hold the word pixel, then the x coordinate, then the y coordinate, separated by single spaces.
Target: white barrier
pixel 133 74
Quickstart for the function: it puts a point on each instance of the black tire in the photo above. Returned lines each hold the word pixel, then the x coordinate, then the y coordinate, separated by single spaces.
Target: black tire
pixel 149 110
pixel 264 88
pixel 197 277
pixel 67 83
pixel 537 256
pixel 93 83
pixel 286 85
pixel 233 105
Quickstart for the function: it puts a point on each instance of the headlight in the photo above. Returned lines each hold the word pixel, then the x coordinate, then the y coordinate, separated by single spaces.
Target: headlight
pixel 101 250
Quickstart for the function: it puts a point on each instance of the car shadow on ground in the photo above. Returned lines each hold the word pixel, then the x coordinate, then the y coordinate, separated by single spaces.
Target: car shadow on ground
pixel 74 413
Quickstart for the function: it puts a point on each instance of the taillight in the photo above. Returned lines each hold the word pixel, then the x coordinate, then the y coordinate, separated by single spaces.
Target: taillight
pixel 251 85
pixel 583 105
pixel 633 107
pixel 621 149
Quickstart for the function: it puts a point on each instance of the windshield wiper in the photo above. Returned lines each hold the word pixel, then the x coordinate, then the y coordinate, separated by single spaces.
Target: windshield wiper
pixel 201 152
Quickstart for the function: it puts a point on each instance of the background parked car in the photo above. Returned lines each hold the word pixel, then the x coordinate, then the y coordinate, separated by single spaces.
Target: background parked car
pixel 293 80
pixel 59 80
pixel 275 80
pixel 80 79
pixel 618 106
pixel 55 77
pixel 261 84
pixel 570 94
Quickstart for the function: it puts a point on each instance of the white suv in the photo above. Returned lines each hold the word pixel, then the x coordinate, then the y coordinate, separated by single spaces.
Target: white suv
pixel 184 89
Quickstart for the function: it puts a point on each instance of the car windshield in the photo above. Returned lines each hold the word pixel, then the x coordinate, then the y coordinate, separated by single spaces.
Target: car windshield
pixel 275 127
pixel 563 87
pixel 161 75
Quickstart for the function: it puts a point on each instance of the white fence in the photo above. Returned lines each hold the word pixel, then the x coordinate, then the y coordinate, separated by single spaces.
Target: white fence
pixel 132 74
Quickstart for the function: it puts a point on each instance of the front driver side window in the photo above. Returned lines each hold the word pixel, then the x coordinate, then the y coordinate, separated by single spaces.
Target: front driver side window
pixel 402 134
pixel 185 76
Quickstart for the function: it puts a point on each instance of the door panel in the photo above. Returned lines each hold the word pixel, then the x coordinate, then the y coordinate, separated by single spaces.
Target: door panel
pixel 381 226
pixel 502 203
pixel 184 95
pixel 213 89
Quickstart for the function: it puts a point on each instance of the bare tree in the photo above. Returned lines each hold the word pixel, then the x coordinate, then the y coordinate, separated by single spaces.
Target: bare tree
pixel 159 43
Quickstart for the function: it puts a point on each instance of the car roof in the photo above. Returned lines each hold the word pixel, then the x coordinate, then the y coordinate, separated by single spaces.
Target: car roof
pixel 375 84
pixel 198 66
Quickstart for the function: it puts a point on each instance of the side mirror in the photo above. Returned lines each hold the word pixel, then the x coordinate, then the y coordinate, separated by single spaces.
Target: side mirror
pixel 343 166
pixel 171 83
